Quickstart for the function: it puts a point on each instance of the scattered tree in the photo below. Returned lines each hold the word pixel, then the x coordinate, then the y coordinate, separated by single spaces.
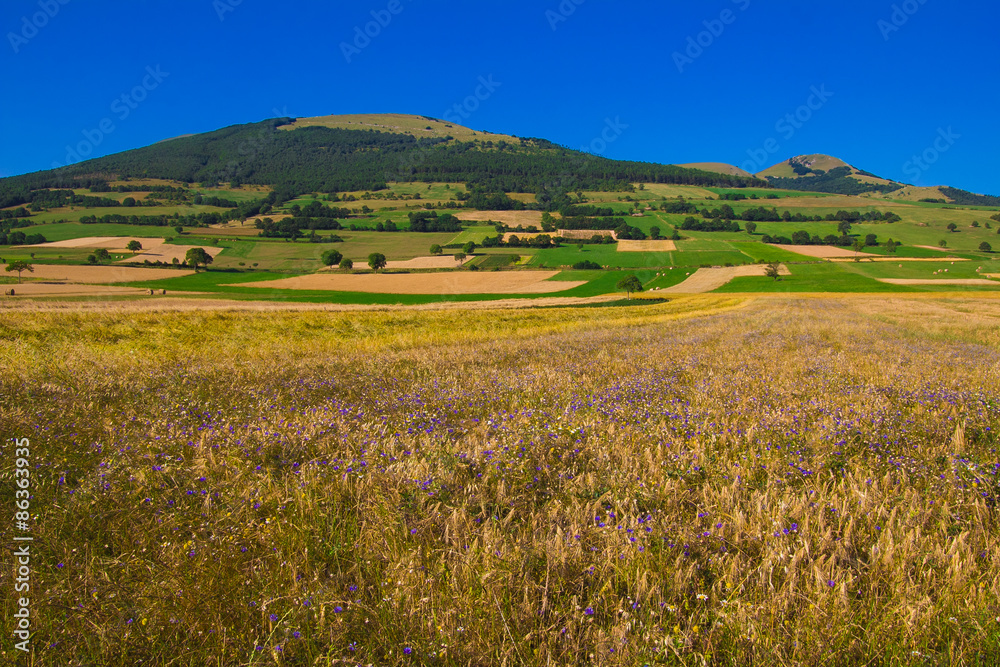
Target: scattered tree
pixel 942 243
pixel 890 246
pixel 20 265
pixel 952 227
pixel 376 261
pixel 469 248
pixel 460 257
pixel 102 255
pixel 858 246
pixel 196 257
pixel 985 247
pixel 134 246
pixel 331 257
pixel 844 227
pixel 654 233
pixel 436 249
pixel 751 227
pixel 773 270
pixel 630 284
pixel 179 229
pixel 346 264
pixel 871 240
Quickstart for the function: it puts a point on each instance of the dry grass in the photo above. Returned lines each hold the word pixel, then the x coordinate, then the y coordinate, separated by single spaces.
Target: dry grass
pixel 794 482
pixel 936 281
pixel 43 289
pixel 717 168
pixel 513 219
pixel 646 246
pixel 107 242
pixel 102 274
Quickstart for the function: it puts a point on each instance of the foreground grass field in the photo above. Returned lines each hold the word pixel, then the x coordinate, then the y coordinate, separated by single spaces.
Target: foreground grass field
pixel 715 480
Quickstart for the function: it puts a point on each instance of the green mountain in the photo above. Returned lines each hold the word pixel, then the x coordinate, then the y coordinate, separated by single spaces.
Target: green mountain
pixel 329 155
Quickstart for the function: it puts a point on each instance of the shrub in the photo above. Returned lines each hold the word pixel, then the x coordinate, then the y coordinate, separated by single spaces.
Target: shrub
pixel 587 265
pixel 331 257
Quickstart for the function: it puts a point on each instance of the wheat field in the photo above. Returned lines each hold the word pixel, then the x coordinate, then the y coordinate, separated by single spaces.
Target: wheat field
pixel 710 481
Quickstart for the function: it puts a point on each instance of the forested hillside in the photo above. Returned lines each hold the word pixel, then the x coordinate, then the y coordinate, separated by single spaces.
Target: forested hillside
pixel 320 159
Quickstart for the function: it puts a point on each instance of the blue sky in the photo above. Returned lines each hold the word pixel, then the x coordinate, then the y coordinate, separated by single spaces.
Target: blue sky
pixel 875 83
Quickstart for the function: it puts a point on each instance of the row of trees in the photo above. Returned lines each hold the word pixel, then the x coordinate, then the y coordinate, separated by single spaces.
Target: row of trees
pixel 20 238
pixel 803 237
pixel 711 225
pixel 430 221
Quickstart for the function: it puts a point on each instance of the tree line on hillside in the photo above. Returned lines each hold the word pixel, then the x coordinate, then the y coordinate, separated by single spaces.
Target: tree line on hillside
pixel 965 198
pixel 317 159
pixel 836 181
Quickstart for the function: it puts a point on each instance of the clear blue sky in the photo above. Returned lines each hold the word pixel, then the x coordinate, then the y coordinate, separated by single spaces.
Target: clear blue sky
pixel 891 91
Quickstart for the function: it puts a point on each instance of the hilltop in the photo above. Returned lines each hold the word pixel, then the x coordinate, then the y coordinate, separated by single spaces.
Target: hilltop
pixel 826 173
pixel 420 127
pixel 718 168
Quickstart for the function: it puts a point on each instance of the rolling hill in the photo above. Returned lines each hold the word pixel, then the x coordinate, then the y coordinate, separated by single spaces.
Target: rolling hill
pixel 351 153
pixel 825 173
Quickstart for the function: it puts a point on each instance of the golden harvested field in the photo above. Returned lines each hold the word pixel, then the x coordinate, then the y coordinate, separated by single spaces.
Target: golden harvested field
pixel 646 246
pixel 118 243
pixel 511 218
pixel 42 289
pixel 706 280
pixel 824 251
pixel 102 274
pixel 506 282
pixel 761 480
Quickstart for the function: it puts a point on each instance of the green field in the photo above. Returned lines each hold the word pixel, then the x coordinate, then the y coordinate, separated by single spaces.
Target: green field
pixel 243 250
